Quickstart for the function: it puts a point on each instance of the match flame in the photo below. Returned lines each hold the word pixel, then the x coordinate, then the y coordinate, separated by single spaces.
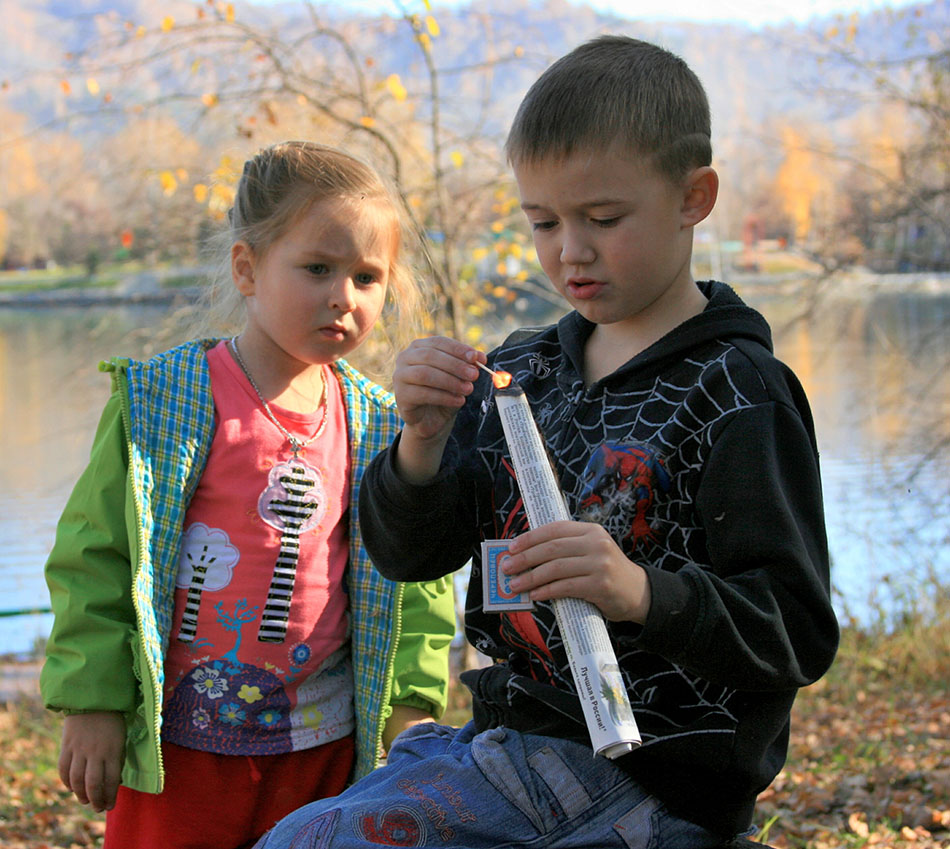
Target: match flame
pixel 501 379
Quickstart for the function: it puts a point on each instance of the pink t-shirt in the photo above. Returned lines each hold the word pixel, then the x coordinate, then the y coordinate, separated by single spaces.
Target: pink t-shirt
pixel 258 661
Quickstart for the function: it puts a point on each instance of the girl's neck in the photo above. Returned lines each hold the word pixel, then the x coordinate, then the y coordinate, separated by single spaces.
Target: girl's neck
pixel 290 384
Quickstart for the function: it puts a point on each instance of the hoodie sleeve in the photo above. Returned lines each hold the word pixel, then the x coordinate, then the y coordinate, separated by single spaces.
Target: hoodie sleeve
pixel 758 616
pixel 416 533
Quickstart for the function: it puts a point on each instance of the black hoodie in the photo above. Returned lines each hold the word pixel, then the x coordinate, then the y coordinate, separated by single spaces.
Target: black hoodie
pixel 699 457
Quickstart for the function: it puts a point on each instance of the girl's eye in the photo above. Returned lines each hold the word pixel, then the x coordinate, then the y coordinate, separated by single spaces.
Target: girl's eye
pixel 365 278
pixel 606 222
pixel 318 268
pixel 543 225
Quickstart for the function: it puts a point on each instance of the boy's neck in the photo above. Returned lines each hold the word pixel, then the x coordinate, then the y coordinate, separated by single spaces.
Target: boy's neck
pixel 612 345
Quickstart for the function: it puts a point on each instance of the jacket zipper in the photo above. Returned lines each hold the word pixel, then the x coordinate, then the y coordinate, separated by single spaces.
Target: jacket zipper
pixel 390 673
pixel 118 369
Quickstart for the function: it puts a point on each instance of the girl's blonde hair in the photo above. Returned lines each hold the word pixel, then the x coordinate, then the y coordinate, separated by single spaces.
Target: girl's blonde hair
pixel 279 184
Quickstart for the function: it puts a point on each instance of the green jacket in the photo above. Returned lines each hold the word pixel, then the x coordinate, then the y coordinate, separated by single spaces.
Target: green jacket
pixel 111 573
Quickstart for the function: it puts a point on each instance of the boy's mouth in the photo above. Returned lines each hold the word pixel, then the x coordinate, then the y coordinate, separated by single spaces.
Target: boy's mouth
pixel 584 288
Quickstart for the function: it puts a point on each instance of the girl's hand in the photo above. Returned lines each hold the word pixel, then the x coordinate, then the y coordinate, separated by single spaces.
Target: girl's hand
pixel 91 757
pixel 432 379
pixel 579 560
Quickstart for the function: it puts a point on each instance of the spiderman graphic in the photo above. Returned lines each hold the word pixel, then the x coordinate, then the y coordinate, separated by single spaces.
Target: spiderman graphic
pixel 620 480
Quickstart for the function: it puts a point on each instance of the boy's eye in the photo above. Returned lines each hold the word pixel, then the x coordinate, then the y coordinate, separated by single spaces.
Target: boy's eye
pixel 318 268
pixel 543 225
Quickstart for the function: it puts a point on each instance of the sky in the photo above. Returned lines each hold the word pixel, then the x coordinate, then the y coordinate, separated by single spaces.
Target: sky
pixel 753 12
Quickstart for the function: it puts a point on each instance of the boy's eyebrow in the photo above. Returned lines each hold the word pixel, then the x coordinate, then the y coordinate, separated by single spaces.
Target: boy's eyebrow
pixel 527 205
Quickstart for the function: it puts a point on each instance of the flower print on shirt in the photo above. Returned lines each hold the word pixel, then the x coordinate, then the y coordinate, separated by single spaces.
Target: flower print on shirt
pixel 231 714
pixel 209 682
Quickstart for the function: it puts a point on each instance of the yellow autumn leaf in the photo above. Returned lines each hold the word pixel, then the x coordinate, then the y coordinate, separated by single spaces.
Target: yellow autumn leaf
pixel 368 121
pixel 200 191
pixel 181 174
pixel 521 275
pixel 479 254
pixel 457 158
pixel 428 5
pixel 519 51
pixel 396 88
pixel 67 89
pixel 497 226
pixel 229 13
pixel 531 255
pixel 195 66
pixel 167 23
pixel 433 26
pixel 168 181
pixel 210 99
pixel 515 250
pixel 140 32
pixel 501 268
pixel 473 334
pixel 92 86
pixel 424 40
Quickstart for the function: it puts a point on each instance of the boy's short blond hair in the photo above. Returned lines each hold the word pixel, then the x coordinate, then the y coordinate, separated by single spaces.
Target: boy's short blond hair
pixel 616 90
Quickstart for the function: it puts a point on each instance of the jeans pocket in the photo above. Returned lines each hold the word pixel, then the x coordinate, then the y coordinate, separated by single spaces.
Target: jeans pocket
pixel 636 827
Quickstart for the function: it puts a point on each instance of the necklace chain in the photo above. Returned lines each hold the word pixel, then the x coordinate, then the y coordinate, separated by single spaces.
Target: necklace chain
pixel 296 446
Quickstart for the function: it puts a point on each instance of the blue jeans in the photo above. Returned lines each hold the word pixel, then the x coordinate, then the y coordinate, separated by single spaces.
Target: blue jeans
pixel 456 789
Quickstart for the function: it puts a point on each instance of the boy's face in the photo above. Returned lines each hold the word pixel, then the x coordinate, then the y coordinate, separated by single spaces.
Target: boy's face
pixel 614 236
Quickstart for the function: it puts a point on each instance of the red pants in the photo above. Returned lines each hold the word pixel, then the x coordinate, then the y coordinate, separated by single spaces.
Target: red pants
pixel 215 801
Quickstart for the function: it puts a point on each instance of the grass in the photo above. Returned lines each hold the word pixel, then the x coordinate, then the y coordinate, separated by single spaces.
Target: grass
pixel 868 765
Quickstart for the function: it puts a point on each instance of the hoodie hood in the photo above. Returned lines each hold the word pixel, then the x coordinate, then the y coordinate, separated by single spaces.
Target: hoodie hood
pixel 726 316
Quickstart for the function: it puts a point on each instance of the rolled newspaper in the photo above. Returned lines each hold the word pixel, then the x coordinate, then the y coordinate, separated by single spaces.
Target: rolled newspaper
pixel 610 721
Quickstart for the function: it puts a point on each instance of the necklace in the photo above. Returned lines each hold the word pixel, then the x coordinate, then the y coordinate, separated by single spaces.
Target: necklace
pixel 296 446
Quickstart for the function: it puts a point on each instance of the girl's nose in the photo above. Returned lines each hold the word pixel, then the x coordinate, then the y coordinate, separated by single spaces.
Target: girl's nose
pixel 343 294
pixel 575 249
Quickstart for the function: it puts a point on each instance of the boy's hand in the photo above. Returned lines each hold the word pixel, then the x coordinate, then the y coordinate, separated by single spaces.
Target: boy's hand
pixel 402 717
pixel 91 757
pixel 432 379
pixel 579 560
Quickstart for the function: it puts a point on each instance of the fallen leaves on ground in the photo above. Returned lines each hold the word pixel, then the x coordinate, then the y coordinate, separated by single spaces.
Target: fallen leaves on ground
pixel 865 768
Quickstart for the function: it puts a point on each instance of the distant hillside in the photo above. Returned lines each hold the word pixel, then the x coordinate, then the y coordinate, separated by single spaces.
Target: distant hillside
pixel 750 74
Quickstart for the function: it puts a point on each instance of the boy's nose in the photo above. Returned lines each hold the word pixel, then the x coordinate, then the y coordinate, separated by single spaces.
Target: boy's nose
pixel 575 250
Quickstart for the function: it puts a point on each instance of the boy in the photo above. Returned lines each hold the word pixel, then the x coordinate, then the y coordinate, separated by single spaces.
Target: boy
pixel 687 456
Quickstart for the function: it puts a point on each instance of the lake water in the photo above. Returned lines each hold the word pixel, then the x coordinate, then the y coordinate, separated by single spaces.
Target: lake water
pixel 876 369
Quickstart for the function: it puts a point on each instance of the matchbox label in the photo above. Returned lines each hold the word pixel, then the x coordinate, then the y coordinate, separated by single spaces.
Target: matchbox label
pixel 496 586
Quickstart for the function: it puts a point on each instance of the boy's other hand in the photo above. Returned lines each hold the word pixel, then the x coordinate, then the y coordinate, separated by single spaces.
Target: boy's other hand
pixel 91 757
pixel 579 560
pixel 431 381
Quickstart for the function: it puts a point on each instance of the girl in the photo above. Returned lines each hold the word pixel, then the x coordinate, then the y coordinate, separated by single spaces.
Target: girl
pixel 221 638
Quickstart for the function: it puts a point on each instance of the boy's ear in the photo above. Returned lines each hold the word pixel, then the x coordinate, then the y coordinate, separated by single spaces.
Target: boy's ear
pixel 242 267
pixel 699 196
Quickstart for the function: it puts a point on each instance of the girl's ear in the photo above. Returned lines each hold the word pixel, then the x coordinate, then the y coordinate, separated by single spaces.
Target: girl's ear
pixel 242 267
pixel 699 196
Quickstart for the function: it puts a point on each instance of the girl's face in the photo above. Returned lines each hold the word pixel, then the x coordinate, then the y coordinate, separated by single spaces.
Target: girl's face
pixel 315 293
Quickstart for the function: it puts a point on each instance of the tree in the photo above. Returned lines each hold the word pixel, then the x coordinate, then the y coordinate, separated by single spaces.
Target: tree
pixel 304 71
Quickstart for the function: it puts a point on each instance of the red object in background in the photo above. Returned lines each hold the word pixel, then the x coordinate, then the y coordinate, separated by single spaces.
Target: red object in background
pixel 127 238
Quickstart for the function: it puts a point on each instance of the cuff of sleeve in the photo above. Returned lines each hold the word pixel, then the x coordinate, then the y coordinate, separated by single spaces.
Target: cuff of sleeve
pixel 419 499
